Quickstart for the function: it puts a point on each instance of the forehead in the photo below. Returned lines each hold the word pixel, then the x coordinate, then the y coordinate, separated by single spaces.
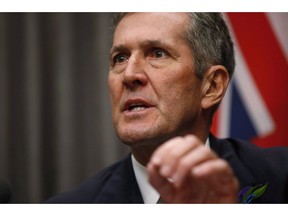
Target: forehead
pixel 150 26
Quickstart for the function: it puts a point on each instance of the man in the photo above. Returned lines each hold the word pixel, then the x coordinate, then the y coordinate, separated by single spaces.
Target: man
pixel 168 74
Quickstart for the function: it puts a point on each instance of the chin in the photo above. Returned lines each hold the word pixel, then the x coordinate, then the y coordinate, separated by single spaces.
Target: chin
pixel 138 138
pixel 132 140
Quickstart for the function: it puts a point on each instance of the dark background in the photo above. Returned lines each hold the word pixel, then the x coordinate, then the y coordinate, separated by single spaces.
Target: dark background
pixel 55 121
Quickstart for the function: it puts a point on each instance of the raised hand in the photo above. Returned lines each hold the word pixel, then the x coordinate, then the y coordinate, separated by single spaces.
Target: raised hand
pixel 183 170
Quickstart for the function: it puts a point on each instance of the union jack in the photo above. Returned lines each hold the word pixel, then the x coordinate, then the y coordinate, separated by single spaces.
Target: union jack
pixel 255 107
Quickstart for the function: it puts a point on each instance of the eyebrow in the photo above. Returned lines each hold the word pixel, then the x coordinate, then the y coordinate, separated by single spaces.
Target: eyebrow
pixel 145 44
pixel 118 49
pixel 155 43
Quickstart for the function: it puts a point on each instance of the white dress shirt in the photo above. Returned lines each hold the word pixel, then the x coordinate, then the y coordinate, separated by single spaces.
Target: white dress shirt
pixel 149 194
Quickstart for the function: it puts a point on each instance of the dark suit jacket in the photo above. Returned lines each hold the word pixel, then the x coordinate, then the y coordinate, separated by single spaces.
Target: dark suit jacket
pixel 251 164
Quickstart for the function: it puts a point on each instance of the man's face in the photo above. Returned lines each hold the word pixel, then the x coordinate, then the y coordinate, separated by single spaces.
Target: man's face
pixel 155 94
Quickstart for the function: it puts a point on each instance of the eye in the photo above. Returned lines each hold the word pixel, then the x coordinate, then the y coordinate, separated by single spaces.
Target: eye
pixel 119 58
pixel 158 53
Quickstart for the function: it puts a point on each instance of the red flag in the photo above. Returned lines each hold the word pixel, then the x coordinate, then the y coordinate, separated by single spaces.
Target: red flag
pixel 256 105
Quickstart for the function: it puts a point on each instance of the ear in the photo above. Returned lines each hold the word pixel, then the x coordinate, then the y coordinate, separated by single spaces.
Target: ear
pixel 215 83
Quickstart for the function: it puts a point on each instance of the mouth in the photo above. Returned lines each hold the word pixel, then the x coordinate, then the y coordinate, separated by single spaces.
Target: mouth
pixel 136 105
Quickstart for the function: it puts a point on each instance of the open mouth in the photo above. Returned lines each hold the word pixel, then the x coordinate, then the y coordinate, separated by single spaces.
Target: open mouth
pixel 134 107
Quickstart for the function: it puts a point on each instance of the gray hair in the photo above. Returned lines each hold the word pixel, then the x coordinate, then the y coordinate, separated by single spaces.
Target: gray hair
pixel 209 39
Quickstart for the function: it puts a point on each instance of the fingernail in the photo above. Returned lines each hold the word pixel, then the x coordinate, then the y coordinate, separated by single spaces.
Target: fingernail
pixel 177 180
pixel 156 160
pixel 195 171
pixel 165 171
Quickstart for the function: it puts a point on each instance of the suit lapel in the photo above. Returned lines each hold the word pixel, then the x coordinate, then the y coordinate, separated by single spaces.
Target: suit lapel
pixel 226 150
pixel 122 186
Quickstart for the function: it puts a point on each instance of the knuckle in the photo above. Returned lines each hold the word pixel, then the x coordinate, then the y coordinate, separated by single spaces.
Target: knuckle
pixel 171 143
pixel 192 140
pixel 184 164
pixel 224 165
pixel 206 152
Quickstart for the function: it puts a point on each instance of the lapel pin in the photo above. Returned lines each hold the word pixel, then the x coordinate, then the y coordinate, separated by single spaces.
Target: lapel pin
pixel 249 193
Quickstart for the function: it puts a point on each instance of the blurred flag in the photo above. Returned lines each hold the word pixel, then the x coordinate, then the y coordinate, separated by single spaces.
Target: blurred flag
pixel 255 107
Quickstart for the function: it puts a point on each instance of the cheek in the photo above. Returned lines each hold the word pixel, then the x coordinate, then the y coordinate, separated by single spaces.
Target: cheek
pixel 114 85
pixel 114 91
pixel 180 95
pixel 111 81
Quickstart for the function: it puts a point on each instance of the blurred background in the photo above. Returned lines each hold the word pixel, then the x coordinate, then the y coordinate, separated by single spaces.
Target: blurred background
pixel 55 121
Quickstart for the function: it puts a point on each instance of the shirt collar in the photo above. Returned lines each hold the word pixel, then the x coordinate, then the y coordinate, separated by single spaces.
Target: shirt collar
pixel 149 194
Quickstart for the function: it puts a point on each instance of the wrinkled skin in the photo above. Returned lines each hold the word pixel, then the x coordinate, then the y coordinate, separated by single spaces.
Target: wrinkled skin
pixel 156 96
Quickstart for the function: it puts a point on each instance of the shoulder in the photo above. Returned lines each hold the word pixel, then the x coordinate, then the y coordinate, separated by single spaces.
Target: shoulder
pixel 88 190
pixel 254 165
pixel 273 159
pixel 247 151
pixel 273 156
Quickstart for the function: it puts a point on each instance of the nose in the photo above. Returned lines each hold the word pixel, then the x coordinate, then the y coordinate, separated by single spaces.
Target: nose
pixel 135 74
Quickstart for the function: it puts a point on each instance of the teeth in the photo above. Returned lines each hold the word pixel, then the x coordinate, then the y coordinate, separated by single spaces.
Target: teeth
pixel 134 109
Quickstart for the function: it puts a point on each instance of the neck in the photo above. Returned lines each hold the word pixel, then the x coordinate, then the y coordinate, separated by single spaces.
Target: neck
pixel 143 153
